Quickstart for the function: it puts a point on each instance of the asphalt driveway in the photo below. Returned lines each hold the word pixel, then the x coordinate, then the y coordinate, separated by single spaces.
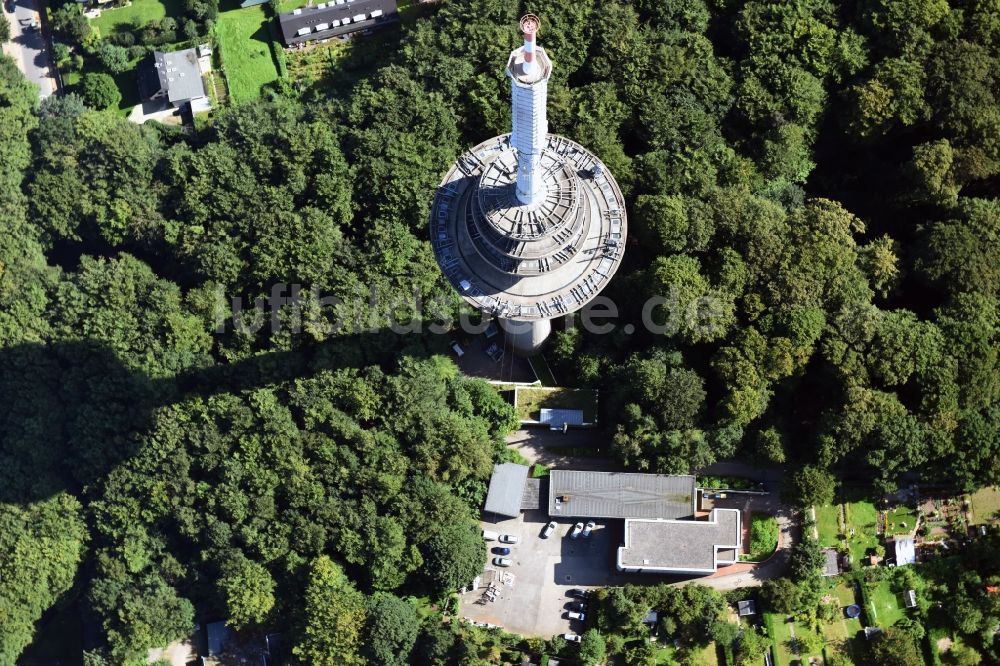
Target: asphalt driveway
pixel 29 47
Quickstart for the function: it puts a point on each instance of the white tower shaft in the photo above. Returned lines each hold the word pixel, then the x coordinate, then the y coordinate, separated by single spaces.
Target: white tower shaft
pixel 529 77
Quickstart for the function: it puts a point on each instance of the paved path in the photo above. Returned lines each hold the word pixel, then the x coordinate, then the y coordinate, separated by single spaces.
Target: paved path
pixel 29 48
pixel 743 574
pixel 541 445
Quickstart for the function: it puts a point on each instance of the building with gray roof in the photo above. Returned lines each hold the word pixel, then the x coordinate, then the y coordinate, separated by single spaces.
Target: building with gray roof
pixel 575 493
pixel 335 19
pixel 681 546
pixel 175 76
pixel 508 490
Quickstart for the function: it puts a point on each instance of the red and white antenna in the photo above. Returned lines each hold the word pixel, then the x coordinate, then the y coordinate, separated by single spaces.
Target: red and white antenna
pixel 529 26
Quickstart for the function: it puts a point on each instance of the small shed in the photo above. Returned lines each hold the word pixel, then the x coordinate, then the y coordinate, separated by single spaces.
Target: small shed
pixel 831 562
pixel 872 632
pixel 910 598
pixel 747 608
pixel 651 618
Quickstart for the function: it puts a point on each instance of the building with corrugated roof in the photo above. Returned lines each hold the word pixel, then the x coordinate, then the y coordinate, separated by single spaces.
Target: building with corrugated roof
pixel 584 494
pixel 335 19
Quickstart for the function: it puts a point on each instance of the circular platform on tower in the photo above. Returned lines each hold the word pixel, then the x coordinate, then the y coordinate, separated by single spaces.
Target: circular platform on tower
pixel 528 262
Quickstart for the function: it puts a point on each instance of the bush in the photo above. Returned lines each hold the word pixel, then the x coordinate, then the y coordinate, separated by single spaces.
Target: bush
pixel 114 58
pixel 99 91
pixel 763 536
pixel 125 39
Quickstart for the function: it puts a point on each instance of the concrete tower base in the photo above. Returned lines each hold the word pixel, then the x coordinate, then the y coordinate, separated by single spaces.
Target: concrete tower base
pixel 526 337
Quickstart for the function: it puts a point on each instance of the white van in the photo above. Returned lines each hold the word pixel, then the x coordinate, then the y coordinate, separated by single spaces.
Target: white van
pixel 490 536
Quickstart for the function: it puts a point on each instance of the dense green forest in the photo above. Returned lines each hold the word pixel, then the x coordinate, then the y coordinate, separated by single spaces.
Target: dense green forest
pixel 818 181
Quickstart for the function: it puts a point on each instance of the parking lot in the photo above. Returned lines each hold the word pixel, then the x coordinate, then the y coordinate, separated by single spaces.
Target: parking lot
pixel 534 602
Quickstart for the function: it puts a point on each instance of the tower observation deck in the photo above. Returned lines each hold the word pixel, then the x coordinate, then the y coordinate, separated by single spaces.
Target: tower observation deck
pixel 528 226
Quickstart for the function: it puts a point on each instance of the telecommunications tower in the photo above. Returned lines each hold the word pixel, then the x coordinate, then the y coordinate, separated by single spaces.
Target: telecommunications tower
pixel 528 226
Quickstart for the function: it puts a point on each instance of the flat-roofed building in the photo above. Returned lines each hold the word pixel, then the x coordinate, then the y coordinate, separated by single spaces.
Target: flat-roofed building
pixel 620 495
pixel 681 546
pixel 508 487
pixel 335 18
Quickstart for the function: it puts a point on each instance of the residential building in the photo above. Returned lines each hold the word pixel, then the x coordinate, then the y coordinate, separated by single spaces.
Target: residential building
pixel 335 19
pixel 175 77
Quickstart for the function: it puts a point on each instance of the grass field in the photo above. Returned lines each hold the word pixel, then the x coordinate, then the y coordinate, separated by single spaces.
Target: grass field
pixel 138 14
pixel 861 518
pixel 706 656
pixel 784 651
pixel 531 400
pixel 986 505
pixel 844 633
pixel 245 44
pixel 828 525
pixel 902 520
pixel 888 609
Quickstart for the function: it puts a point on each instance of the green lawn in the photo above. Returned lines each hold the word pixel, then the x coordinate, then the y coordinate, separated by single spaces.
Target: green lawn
pixel 828 525
pixel 783 650
pixel 245 45
pixel 861 518
pixel 763 537
pixel 843 633
pixel 138 14
pixel 531 400
pixel 887 606
pixel 706 656
pixel 902 520
pixel 986 505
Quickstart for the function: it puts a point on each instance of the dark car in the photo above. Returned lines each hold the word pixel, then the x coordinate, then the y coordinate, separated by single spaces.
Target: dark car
pixel 577 594
pixel 576 606
pixel 499 550
pixel 10 6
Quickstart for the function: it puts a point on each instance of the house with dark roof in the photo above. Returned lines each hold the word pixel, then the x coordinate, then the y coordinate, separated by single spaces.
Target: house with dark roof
pixel 335 19
pixel 584 494
pixel 175 77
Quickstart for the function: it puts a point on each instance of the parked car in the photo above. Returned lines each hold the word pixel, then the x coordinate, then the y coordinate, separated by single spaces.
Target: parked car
pixel 9 4
pixel 574 615
pixel 576 531
pixel 549 529
pixel 588 529
pixel 501 551
pixel 509 538
pixel 490 536
pixel 577 593
pixel 578 606
pixel 572 638
pixel 502 561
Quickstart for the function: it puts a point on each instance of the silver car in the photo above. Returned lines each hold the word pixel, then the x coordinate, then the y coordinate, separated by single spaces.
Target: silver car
pixel 576 531
pixel 502 561
pixel 509 538
pixel 588 529
pixel 549 529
